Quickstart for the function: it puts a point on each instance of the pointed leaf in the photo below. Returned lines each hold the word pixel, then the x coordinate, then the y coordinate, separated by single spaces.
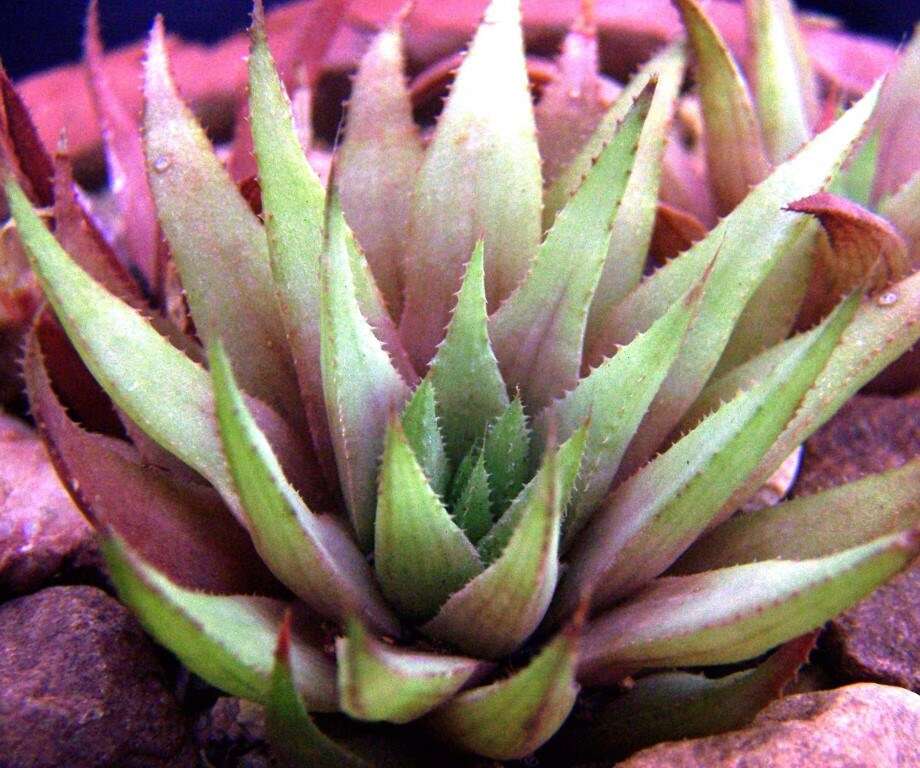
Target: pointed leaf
pixel 294 737
pixel 360 385
pixel 469 387
pixel 680 705
pixel 227 640
pixel 420 554
pixel 180 528
pixel 19 139
pixel 379 161
pixel 615 396
pixel 157 386
pixel 883 329
pixel 538 332
pixel 513 717
pixel 215 240
pixel 568 461
pixel 737 613
pixel 867 250
pixel 573 103
pixel 901 210
pixel 649 520
pixel 420 423
pixel 631 232
pixel 483 167
pixel 138 238
pixel 311 554
pixel 813 526
pixel 506 455
pixel 471 505
pixel 735 152
pixel 570 178
pixel 784 83
pixel 495 612
pixel 744 246
pixel 854 181
pixel 380 682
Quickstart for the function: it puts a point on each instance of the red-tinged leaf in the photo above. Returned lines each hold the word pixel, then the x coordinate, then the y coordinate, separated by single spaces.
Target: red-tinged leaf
pixel 225 639
pixel 734 146
pixel 738 613
pixel 218 244
pixel 675 231
pixel 21 142
pixel 295 738
pixel 380 682
pixel 513 717
pixel 380 158
pixel 899 119
pixel 573 102
pixel 679 705
pixel 182 529
pixel 480 180
pixel 867 250
pixel 138 236
pixel 82 240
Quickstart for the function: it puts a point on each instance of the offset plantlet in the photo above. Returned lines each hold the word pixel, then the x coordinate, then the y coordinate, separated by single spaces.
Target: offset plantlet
pixel 444 469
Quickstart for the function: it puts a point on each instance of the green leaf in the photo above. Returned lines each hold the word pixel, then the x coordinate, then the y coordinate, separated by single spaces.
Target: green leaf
pixel 495 612
pixel 854 180
pixel 735 154
pixel 225 639
pixel 634 220
pixel 679 705
pixel 813 526
pixel 538 332
pixel 514 716
pixel 295 739
pixel 649 520
pixel 901 210
pixel 614 397
pixel 883 329
pixel 784 83
pixel 558 194
pixel 470 502
pixel 381 682
pixel 569 458
pixel 420 422
pixel 734 614
pixel 379 162
pixel 742 250
pixel 469 387
pixel 360 385
pixel 506 455
pixel 311 554
pixel 420 554
pixel 216 241
pixel 480 180
pixel 156 385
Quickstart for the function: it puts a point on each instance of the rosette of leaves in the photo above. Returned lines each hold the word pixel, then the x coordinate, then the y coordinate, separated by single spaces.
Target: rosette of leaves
pixel 447 453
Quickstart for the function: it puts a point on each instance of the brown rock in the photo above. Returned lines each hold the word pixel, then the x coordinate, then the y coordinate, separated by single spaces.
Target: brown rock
pixel 42 533
pixel 860 726
pixel 879 639
pixel 232 734
pixel 81 686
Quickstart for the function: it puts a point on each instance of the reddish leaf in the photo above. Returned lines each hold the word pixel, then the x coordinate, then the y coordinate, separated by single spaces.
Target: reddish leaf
pixel 675 231
pixel 138 235
pixel 19 138
pixel 181 528
pixel 865 247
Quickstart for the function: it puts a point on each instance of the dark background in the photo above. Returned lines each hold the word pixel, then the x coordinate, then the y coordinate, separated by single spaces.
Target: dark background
pixel 36 34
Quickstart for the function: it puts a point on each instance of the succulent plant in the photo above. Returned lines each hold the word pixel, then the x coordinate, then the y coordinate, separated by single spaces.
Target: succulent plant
pixel 451 452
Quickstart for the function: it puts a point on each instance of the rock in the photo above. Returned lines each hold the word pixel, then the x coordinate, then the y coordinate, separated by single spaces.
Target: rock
pixel 42 533
pixel 232 734
pixel 878 639
pixel 81 686
pixel 860 726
